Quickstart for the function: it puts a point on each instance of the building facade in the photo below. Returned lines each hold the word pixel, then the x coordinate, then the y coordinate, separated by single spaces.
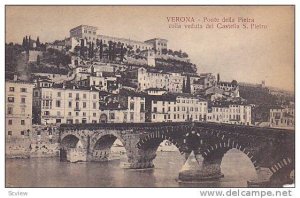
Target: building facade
pixel 175 108
pixel 145 79
pixel 158 44
pixel 60 104
pixel 18 108
pixel 127 106
pixel 231 114
pixel 84 32
pixel 18 117
pixel 282 117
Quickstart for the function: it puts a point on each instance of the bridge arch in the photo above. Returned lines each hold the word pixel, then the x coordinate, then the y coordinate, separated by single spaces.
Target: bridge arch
pixel 101 143
pixel 71 141
pixel 228 145
pixel 282 170
pixel 154 139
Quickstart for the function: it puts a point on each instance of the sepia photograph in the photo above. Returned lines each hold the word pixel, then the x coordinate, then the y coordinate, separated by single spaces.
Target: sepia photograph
pixel 143 96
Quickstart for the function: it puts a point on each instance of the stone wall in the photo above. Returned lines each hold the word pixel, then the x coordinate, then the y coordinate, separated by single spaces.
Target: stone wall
pixel 44 141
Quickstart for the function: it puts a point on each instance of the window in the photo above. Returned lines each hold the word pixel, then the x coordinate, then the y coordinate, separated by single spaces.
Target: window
pixel 94 114
pixel 70 104
pixel 84 105
pixel 58 94
pixel 36 94
pixel 9 133
pixel 70 95
pixel 112 116
pixel 153 116
pixel 23 90
pixel 23 100
pixel 142 107
pixel 58 113
pixel 77 113
pixel 83 114
pixel 131 116
pixel 12 89
pixel 11 99
pixel 84 96
pixel 22 132
pixel 22 122
pixel 94 96
pixel 70 113
pixel 57 103
pixel 94 105
pixel 131 106
pixel 9 122
pixel 9 110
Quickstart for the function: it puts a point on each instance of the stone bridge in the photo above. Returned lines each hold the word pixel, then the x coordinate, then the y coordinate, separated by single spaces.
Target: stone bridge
pixel 271 151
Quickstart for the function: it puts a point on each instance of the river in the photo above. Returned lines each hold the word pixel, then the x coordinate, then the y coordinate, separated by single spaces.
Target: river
pixel 50 172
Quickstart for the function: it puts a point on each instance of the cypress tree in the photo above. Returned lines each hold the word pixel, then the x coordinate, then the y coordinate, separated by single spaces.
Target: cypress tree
pixel 188 85
pixel 24 43
pixel 29 43
pixel 101 49
pixel 38 42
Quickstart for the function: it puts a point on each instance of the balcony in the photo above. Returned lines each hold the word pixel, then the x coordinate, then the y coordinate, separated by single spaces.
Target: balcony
pixel 76 109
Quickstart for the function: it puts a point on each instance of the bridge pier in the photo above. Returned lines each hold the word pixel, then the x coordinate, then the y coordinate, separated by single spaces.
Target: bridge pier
pixel 140 159
pixel 209 168
pixel 73 154
pixel 265 178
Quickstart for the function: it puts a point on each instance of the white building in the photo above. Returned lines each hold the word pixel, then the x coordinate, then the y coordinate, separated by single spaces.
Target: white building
pixel 282 117
pixel 175 108
pixel 18 112
pixel 61 104
pixel 231 114
pixel 145 79
pixel 128 107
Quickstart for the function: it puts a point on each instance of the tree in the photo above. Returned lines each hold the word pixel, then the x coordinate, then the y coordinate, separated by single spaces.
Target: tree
pixel 81 47
pixel 188 85
pixel 110 50
pixel 24 43
pixel 29 43
pixel 183 86
pixel 164 51
pixel 185 55
pixel 38 60
pixel 38 42
pixel 101 49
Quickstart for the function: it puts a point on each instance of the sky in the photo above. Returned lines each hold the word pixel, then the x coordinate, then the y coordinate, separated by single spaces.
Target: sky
pixel 246 55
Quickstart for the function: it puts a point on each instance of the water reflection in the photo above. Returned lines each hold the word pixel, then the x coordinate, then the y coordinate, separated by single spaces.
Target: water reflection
pixel 50 172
